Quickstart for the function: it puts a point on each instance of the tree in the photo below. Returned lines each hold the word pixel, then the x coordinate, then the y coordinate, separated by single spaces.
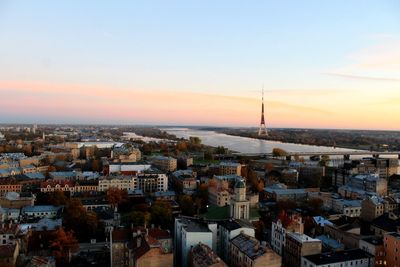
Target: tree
pixel 181 146
pixel 220 150
pixel 63 245
pixel 96 165
pixel 212 183
pixel 139 218
pixel 84 224
pixel 278 152
pixel 161 214
pixel 269 167
pixel 116 196
pixel 57 198
pixel 187 205
pixel 324 160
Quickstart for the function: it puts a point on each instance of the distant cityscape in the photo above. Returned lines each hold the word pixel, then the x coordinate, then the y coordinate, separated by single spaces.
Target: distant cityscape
pixel 141 196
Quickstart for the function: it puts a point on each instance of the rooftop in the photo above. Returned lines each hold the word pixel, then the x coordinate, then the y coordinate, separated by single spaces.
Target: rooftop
pixel 329 242
pixel 302 238
pixel 204 256
pixel 193 226
pixel 248 245
pixel 41 208
pixel 340 256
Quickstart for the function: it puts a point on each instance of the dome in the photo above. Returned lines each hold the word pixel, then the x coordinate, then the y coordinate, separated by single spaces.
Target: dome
pixel 240 184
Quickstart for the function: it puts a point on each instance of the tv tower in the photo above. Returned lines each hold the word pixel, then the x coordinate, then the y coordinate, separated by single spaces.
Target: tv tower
pixel 263 129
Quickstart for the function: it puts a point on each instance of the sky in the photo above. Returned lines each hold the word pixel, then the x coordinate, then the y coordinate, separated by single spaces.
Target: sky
pixel 323 64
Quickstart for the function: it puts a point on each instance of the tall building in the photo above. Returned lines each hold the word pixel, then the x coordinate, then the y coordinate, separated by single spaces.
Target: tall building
pixel 240 206
pixel 263 129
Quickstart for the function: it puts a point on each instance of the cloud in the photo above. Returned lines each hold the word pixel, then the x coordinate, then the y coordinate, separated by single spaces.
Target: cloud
pixel 378 62
pixel 368 78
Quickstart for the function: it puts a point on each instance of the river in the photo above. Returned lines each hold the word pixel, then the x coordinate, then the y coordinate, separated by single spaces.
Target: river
pixel 245 144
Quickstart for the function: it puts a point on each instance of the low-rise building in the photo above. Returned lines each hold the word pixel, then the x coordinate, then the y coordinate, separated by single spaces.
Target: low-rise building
pixel 374 246
pixel 347 234
pixel 218 196
pixel 63 175
pixel 229 168
pixel 227 231
pixel 9 185
pixel 57 185
pixel 124 168
pixel 349 208
pixel 189 233
pixel 202 255
pixel 42 211
pixel 14 200
pixel 86 186
pixel 386 223
pixel 246 251
pixel 300 245
pixel 8 233
pixel 278 231
pixel 151 182
pixel 373 207
pixel 116 181
pixel 278 194
pixel 184 181
pixel 370 183
pixel 391 243
pixel 167 164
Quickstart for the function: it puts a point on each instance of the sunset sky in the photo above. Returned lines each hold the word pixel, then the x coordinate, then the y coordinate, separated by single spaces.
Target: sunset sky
pixel 323 64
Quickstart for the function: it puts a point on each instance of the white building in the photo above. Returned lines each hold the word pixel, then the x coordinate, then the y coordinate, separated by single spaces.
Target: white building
pixel 240 206
pixel 188 233
pixel 151 182
pixel 125 167
pixel 147 182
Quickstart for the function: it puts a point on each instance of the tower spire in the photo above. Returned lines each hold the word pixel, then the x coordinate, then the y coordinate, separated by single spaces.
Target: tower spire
pixel 262 131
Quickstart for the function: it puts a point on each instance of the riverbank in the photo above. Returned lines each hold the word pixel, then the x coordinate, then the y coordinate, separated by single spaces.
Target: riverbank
pixel 349 139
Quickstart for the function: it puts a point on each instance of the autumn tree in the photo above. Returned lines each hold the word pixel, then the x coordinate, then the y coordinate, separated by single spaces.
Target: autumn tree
pixel 57 198
pixel 63 245
pixel 96 165
pixel 181 146
pixel 278 152
pixel 84 224
pixel 116 196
